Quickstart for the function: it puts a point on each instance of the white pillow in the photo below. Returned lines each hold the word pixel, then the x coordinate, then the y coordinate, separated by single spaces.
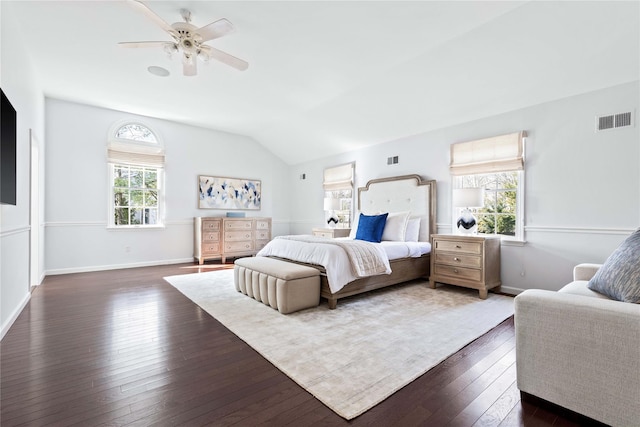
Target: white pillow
pixel 413 230
pixel 396 226
pixel 354 226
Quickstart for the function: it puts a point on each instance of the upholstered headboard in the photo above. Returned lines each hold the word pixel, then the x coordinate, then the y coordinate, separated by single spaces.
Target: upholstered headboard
pixel 399 194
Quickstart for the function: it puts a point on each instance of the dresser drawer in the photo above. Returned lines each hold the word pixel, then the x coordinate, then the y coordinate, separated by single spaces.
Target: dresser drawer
pixel 237 235
pixel 262 224
pixel 210 225
pixel 210 237
pixel 244 224
pixel 261 244
pixel 262 235
pixel 211 248
pixel 238 246
pixel 458 259
pixel 458 272
pixel 458 246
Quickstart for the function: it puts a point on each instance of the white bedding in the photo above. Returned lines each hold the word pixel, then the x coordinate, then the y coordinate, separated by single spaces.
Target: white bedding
pixel 333 257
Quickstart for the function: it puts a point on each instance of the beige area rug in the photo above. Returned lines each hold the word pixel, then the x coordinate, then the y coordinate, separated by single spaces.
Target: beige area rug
pixel 355 356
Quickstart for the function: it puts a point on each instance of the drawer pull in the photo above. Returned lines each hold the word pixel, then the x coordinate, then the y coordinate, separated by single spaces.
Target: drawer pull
pixel 455 258
pixel 458 247
pixel 455 270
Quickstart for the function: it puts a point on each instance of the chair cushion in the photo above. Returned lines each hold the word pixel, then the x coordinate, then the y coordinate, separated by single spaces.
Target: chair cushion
pixel 579 287
pixel 619 276
pixel 277 268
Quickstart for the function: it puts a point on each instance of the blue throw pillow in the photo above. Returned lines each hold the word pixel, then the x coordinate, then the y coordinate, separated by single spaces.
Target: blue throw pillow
pixel 370 227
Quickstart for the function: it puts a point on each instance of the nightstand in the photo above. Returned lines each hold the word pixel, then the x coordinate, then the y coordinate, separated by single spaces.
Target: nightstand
pixel 331 232
pixel 468 261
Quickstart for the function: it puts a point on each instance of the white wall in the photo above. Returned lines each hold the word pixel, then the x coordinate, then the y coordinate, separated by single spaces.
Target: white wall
pixel 17 79
pixel 77 238
pixel 582 188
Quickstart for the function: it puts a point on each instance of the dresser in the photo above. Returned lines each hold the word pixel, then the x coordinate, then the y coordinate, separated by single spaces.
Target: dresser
pixel 222 238
pixel 331 232
pixel 468 261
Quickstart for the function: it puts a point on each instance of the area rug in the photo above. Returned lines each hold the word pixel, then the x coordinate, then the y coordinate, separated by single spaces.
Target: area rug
pixel 370 346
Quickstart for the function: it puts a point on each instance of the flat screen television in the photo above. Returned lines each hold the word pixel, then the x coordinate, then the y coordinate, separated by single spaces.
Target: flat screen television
pixel 7 152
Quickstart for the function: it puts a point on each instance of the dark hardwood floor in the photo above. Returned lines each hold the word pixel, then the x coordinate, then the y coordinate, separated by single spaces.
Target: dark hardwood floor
pixel 124 348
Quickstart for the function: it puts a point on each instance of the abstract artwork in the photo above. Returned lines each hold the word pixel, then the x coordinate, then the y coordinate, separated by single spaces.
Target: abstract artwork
pixel 228 193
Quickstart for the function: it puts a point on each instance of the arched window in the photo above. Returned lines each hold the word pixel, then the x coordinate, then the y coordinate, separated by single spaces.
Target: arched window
pixel 136 165
pixel 136 132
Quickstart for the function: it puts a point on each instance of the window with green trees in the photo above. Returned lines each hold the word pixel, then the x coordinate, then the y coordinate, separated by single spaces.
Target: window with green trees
pixel 500 211
pixel 135 195
pixel 136 165
pixel 495 164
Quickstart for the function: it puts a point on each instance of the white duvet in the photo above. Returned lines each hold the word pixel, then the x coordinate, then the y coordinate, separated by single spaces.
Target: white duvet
pixel 332 256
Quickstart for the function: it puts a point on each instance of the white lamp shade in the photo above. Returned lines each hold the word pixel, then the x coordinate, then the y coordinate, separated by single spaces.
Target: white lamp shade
pixel 331 204
pixel 468 197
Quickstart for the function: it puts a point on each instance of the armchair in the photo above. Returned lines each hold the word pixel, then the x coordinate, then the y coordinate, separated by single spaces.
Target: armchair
pixel 581 350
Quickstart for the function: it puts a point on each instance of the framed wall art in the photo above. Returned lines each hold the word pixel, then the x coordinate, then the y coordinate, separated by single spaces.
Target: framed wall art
pixel 229 193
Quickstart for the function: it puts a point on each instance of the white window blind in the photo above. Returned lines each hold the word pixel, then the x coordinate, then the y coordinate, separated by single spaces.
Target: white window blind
pixel 497 154
pixel 135 154
pixel 338 177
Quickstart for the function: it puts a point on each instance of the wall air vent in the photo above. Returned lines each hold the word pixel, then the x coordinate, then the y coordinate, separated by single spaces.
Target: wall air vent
pixel 614 121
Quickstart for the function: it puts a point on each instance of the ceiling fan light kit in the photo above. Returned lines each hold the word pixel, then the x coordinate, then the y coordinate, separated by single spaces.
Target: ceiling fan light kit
pixel 188 40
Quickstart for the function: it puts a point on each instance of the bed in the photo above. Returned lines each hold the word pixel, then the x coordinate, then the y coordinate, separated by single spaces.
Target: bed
pixel 401 194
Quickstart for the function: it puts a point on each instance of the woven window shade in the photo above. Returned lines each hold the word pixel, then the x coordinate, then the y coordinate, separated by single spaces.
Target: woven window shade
pixel 497 154
pixel 135 154
pixel 338 177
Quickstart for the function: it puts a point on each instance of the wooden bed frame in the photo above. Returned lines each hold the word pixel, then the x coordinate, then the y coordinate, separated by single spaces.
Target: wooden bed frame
pixel 394 194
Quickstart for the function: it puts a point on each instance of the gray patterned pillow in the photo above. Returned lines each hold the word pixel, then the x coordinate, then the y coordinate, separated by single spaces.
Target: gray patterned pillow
pixel 619 276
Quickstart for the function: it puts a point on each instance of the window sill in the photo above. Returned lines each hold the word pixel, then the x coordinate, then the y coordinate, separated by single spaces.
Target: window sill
pixel 512 242
pixel 135 227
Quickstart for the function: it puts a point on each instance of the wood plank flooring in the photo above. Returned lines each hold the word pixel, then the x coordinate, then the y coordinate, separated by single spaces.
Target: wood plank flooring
pixel 124 348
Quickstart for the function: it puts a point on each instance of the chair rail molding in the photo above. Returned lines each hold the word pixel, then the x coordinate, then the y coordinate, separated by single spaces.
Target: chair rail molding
pixel 579 230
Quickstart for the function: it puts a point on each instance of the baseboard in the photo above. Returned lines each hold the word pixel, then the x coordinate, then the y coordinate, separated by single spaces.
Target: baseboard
pixel 511 290
pixel 115 266
pixel 14 315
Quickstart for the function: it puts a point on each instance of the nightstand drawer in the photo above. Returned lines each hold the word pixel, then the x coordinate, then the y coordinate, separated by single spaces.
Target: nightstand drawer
pixel 331 232
pixel 458 259
pixel 458 272
pixel 459 246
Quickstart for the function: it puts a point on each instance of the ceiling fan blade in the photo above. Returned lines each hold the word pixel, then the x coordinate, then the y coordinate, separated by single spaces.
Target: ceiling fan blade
pixel 225 58
pixel 215 30
pixel 153 16
pixel 189 65
pixel 142 44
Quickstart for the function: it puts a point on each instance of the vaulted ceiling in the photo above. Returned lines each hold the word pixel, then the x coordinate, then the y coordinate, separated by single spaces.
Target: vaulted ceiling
pixel 326 77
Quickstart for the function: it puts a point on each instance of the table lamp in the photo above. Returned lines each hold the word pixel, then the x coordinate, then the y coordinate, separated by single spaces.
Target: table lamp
pixel 331 205
pixel 467 198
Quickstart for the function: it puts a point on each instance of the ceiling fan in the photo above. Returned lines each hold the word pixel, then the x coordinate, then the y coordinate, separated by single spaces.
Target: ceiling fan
pixel 188 40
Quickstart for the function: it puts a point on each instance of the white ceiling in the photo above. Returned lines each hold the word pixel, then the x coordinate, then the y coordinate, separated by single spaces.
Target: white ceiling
pixel 327 77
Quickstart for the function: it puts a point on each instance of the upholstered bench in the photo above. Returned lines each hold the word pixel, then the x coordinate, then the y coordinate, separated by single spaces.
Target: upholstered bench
pixel 285 286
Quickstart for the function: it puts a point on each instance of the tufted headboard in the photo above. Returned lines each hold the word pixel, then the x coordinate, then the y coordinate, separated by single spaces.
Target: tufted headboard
pixel 399 194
